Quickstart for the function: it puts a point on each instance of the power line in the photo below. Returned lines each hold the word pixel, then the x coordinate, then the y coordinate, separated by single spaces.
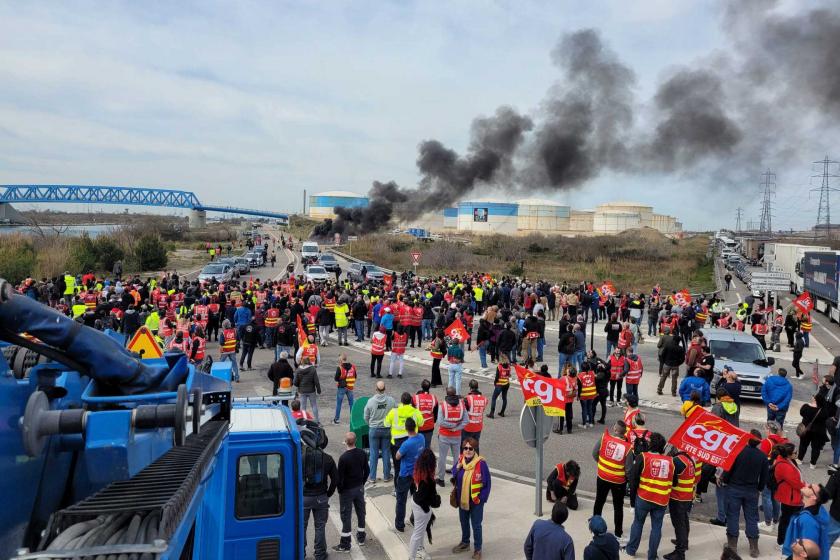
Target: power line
pixel 769 187
pixel 738 213
pixel 824 210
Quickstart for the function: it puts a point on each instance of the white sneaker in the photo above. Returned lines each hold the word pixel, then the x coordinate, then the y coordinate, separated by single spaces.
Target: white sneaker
pixel 581 425
pixel 370 484
pixel 622 542
pixel 812 467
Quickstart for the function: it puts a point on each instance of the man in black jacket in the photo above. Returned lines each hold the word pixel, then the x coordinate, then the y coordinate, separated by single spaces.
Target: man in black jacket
pixel 745 482
pixel 353 471
pixel 319 484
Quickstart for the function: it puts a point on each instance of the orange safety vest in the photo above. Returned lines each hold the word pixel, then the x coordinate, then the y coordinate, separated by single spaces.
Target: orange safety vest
pixel 638 433
pixel 90 301
pixel 723 322
pixel 229 345
pixel 568 385
pixel 760 329
pixel 634 373
pixel 588 391
pixel 701 317
pixel 200 314
pixel 504 375
pixel 616 367
pixel 739 325
pixel 655 480
pixel 805 324
pixel 561 475
pixel 272 317
pixel 164 329
pixel 451 414
pixel 435 352
pixel 477 484
pixel 185 345
pixel 478 403
pixel 311 350
pixel 201 350
pixel 611 457
pixel 348 376
pixel 629 416
pixel 426 403
pixel 377 344
pixel 683 490
pixel 398 342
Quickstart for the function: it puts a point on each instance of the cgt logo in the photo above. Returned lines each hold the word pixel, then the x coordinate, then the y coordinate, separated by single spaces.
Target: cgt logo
pixel 711 439
pixel 544 390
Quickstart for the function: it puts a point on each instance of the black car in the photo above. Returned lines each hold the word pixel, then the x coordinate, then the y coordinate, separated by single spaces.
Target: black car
pixel 329 262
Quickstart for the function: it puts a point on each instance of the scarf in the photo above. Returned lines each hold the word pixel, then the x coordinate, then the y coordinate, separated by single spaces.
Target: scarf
pixel 467 481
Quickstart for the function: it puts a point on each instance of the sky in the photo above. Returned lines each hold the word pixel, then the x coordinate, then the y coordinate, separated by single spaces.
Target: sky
pixel 248 103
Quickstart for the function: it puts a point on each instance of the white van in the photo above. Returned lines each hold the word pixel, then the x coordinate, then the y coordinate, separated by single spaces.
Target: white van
pixel 309 252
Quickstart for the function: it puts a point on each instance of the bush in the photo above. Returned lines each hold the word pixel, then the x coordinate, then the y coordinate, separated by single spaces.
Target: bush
pixel 17 259
pixel 82 254
pixel 108 252
pixel 150 253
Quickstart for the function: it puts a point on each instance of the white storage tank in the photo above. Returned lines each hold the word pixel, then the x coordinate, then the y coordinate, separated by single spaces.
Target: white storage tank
pixel 488 216
pixel 581 221
pixel 450 218
pixel 322 205
pixel 539 215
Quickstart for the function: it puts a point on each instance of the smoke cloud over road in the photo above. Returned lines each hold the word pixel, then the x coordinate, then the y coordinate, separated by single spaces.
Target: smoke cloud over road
pixel 722 118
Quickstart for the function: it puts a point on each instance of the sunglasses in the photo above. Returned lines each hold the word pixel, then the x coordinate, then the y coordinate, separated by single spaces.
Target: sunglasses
pixel 466 448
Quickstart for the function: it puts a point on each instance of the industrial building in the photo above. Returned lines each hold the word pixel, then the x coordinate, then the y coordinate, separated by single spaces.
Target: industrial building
pixel 322 205
pixel 532 215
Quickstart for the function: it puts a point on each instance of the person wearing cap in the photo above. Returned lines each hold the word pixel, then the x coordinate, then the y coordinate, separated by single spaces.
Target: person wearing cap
pixel 280 369
pixel 387 322
pixel 604 545
pixel 777 392
pixel 548 539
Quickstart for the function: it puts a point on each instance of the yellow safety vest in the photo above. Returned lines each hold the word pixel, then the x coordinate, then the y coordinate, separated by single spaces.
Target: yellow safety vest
pixel 396 420
pixel 79 309
pixel 153 321
pixel 69 285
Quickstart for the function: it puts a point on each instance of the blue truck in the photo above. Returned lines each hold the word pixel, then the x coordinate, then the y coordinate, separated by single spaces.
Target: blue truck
pixel 104 455
pixel 821 272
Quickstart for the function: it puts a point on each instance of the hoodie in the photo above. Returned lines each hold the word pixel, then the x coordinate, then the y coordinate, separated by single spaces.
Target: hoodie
pixel 777 390
pixel 377 408
pixel 603 547
pixel 811 523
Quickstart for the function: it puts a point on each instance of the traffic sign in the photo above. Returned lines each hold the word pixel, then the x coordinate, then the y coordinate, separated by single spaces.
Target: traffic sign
pixel 415 257
pixel 143 343
pixel 530 419
pixel 770 286
pixel 764 275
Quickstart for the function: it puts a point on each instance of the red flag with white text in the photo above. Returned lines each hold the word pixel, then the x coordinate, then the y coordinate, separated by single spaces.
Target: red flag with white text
pixel 804 302
pixel 538 390
pixel 683 298
pixel 301 332
pixel 457 331
pixel 710 439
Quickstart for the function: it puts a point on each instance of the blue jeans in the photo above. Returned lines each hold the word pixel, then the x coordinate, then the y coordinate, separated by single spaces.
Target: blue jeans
pixel 403 487
pixel 778 416
pixel 640 513
pixel 455 372
pixel 610 346
pixel 587 408
pixel 833 530
pixel 339 397
pixel 473 516
pixel 806 338
pixel 380 441
pixel 579 358
pixel 562 361
pixel 835 444
pixel 772 508
pixel 427 329
pixel 738 498
pixel 540 347
pixel 287 349
pixel 359 327
pixel 720 497
pixel 631 389
pixel 234 366
pixel 651 325
pixel 482 355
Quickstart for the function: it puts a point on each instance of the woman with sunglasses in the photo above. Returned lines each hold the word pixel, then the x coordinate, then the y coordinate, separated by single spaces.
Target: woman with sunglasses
pixel 471 477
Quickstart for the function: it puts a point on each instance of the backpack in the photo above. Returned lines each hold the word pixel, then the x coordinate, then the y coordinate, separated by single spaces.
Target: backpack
pixel 313 466
pixel 641 444
pixel 772 483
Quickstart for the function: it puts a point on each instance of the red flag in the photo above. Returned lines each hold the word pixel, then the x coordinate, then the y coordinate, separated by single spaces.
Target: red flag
pixel 389 282
pixel 607 289
pixel 710 439
pixel 539 390
pixel 683 298
pixel 804 302
pixel 457 331
pixel 301 332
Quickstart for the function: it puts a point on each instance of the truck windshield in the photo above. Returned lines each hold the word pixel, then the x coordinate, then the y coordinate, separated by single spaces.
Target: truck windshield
pixel 735 351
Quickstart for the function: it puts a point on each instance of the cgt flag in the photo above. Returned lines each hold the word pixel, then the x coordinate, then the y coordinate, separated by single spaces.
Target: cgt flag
pixel 301 333
pixel 607 289
pixel 457 331
pixel 388 280
pixel 683 298
pixel 710 439
pixel 804 302
pixel 538 390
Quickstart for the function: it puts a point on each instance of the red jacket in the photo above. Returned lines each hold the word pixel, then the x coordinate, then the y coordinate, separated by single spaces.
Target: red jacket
pixel 790 482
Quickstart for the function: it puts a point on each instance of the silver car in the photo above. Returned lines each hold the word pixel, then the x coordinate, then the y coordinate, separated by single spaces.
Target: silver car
pixel 219 271
pixel 315 273
pixel 743 354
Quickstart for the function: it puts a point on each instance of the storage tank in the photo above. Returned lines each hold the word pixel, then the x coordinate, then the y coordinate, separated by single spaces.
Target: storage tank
pixel 539 215
pixel 581 221
pixel 321 205
pixel 450 218
pixel 488 216
pixel 615 217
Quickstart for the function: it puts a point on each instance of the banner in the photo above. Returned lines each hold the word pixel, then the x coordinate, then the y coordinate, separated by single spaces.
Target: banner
pixel 538 390
pixel 683 298
pixel 457 331
pixel 301 333
pixel 607 289
pixel 804 303
pixel 388 280
pixel 710 439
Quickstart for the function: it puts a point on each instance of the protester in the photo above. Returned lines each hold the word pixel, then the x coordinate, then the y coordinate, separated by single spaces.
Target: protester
pixel 345 379
pixel 379 435
pixel 405 457
pixel 453 418
pixel 768 446
pixel 610 454
pixel 745 480
pixel 681 499
pixel 813 434
pixel 812 522
pixel 777 393
pixel 309 387
pixel 471 478
pixel 425 499
pixel 561 484
pixel 396 420
pixel 455 356
pixel 476 404
pixel 351 475
pixel 378 341
pixel 427 404
pixel 501 384
pixel 319 483
pixel 279 370
pixel 548 539
pixel 786 479
pixel 604 545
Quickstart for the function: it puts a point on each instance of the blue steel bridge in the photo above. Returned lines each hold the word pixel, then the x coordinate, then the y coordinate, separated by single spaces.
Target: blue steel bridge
pixel 133 196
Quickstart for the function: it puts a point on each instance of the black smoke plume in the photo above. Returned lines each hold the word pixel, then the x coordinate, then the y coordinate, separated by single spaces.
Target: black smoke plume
pixel 771 98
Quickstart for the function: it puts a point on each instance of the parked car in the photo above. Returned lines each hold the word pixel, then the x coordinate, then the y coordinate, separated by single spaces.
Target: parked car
pixel 230 261
pixel 743 353
pixel 316 273
pixel 221 272
pixel 374 273
pixel 255 258
pixel 329 262
pixel 242 265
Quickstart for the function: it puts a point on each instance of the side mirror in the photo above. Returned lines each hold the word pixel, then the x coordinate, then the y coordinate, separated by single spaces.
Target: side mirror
pixel 771 360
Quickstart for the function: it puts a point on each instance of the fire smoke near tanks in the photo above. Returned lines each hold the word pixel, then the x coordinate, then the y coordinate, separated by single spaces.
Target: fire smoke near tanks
pixel 723 119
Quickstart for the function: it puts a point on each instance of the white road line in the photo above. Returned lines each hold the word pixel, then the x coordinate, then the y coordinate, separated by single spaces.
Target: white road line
pixel 355 552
